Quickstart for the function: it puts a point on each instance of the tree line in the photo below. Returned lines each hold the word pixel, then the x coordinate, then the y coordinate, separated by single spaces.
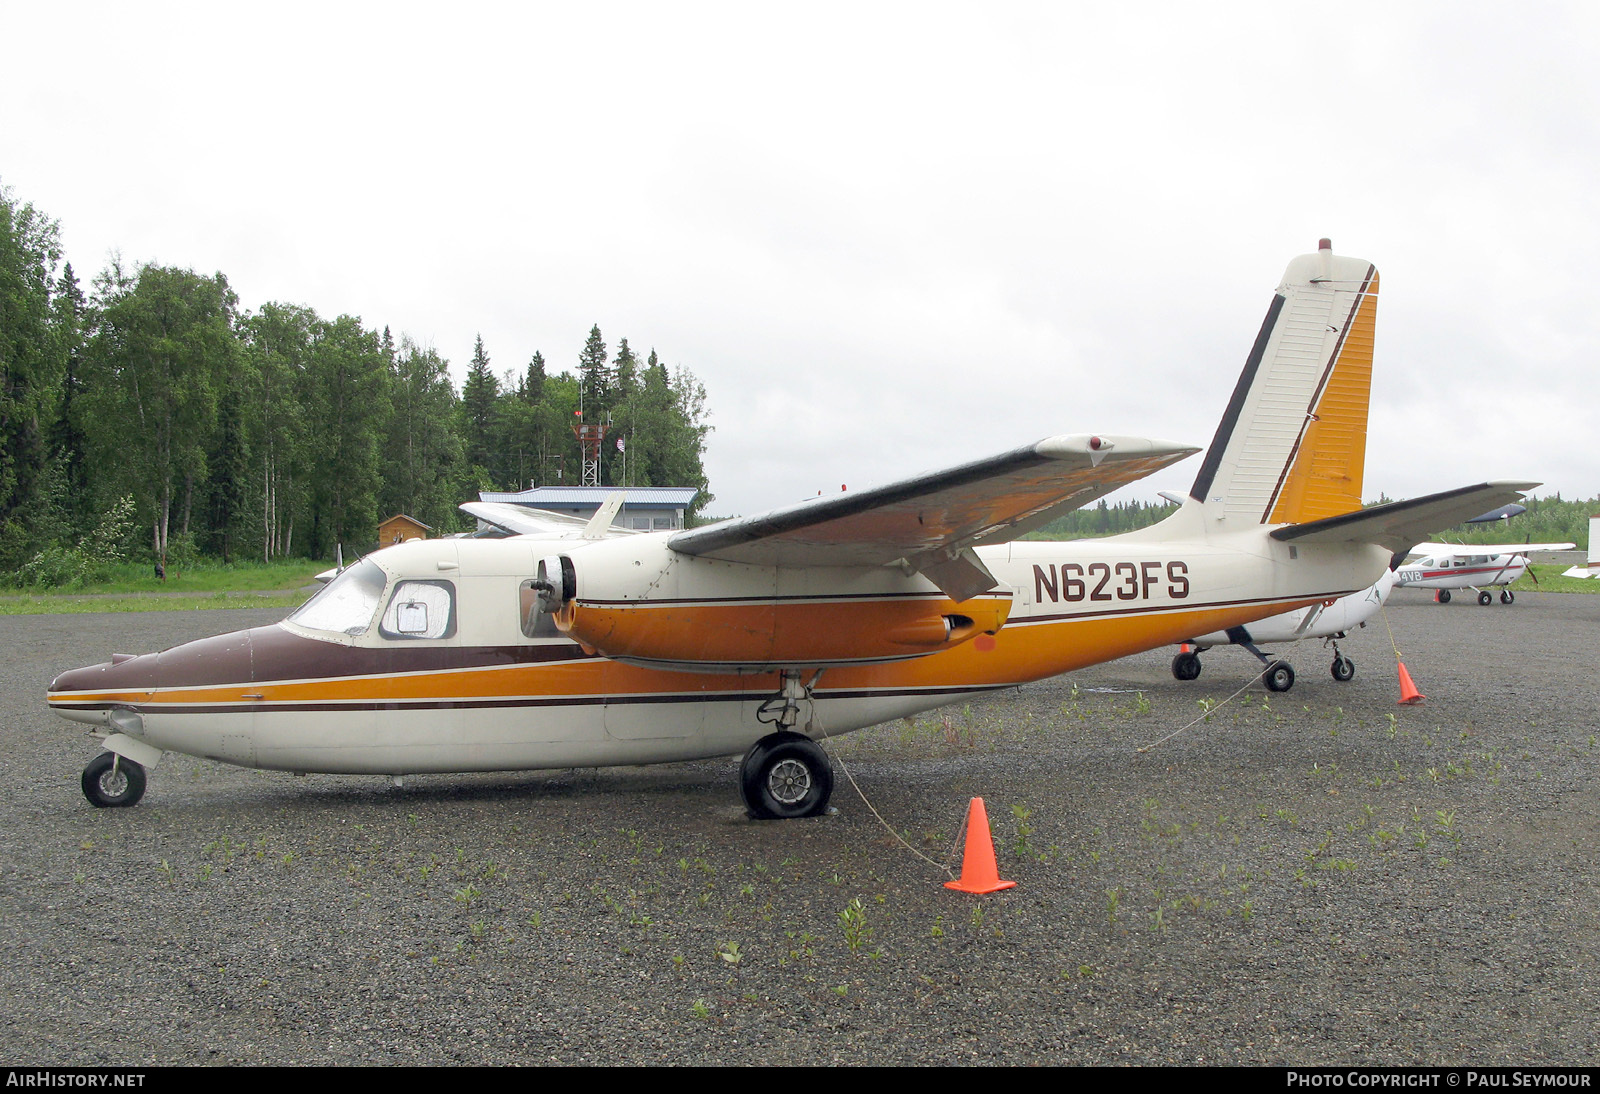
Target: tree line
pixel 1547 520
pixel 149 415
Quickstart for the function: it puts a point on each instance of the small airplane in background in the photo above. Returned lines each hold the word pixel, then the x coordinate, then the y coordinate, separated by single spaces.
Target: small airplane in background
pixel 1448 566
pixel 1329 621
pixel 573 646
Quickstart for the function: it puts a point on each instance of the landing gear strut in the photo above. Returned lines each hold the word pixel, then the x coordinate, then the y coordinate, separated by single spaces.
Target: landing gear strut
pixel 1343 669
pixel 787 774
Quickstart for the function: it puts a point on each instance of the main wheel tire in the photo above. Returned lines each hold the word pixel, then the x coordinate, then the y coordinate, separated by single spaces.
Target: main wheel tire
pixel 1486 598
pixel 1444 596
pixel 1186 666
pixel 110 781
pixel 1344 669
pixel 784 776
pixel 1507 596
pixel 1279 676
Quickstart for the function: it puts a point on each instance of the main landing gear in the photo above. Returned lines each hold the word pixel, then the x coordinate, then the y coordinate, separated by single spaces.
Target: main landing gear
pixel 1277 676
pixel 1485 597
pixel 111 781
pixel 786 774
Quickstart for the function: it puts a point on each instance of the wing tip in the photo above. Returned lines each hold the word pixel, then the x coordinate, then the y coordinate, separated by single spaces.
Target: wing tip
pixel 1070 445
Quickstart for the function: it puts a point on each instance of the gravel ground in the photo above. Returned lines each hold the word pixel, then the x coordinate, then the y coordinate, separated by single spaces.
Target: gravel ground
pixel 1319 877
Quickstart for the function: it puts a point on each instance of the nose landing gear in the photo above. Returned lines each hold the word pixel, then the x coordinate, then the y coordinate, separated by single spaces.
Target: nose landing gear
pixel 112 781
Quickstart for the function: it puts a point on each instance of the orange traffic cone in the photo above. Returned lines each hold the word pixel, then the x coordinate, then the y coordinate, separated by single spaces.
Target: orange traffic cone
pixel 1409 695
pixel 979 874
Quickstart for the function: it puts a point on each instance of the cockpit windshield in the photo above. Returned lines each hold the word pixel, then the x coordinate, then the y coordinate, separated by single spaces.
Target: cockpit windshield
pixel 347 605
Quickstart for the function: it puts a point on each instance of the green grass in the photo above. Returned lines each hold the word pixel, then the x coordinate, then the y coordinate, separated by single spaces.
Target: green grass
pixel 132 578
pixel 1551 581
pixel 134 588
pixel 64 605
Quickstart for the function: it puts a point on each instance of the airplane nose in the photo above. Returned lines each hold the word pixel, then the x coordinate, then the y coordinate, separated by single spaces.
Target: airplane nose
pixel 122 671
pixel 223 659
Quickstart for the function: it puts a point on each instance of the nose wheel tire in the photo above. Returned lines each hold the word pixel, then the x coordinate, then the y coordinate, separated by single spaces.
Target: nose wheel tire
pixel 1186 666
pixel 1279 676
pixel 111 781
pixel 785 775
pixel 1344 669
pixel 1507 596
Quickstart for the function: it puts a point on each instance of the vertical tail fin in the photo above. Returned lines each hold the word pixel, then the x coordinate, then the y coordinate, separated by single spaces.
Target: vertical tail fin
pixel 1292 445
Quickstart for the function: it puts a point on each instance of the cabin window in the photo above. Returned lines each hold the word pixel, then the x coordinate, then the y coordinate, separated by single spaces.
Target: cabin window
pixel 535 623
pixel 345 605
pixel 420 609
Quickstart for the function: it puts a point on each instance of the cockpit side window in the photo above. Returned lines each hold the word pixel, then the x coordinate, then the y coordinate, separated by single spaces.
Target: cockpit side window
pixel 347 603
pixel 420 609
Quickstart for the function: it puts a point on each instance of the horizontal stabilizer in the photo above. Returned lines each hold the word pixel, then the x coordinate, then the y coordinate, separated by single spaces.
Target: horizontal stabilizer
pixel 931 519
pixel 1397 525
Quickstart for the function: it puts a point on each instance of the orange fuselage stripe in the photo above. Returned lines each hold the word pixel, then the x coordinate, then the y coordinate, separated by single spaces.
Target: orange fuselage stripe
pixel 1017 654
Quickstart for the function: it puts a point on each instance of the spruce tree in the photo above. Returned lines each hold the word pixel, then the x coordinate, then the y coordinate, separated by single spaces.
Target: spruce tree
pixel 533 385
pixel 594 376
pixel 478 396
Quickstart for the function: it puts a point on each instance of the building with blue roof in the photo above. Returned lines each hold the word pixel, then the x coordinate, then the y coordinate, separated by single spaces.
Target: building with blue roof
pixel 653 508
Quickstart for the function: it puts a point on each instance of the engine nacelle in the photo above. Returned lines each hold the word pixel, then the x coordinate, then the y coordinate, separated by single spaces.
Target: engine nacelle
pixel 635 601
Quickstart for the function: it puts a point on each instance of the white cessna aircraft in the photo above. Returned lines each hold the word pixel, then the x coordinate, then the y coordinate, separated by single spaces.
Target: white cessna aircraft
pixel 1447 566
pixel 760 635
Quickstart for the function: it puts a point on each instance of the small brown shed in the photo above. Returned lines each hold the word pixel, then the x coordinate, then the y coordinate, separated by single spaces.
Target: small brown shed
pixel 400 528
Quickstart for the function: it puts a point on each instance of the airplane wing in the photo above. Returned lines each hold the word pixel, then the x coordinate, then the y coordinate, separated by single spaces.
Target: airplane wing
pixel 1398 525
pixel 520 520
pixel 933 521
pixel 1431 548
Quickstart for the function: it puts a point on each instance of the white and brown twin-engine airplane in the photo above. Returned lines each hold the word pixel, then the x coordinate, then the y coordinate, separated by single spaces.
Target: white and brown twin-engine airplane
pixel 761 635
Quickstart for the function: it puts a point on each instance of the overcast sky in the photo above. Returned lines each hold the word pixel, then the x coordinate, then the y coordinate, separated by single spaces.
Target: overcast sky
pixel 887 237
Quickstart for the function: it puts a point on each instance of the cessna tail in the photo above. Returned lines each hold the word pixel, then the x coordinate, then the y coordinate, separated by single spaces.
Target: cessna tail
pixel 762 635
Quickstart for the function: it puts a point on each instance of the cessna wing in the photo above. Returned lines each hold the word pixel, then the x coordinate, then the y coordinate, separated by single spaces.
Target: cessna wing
pixel 1488 548
pixel 931 522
